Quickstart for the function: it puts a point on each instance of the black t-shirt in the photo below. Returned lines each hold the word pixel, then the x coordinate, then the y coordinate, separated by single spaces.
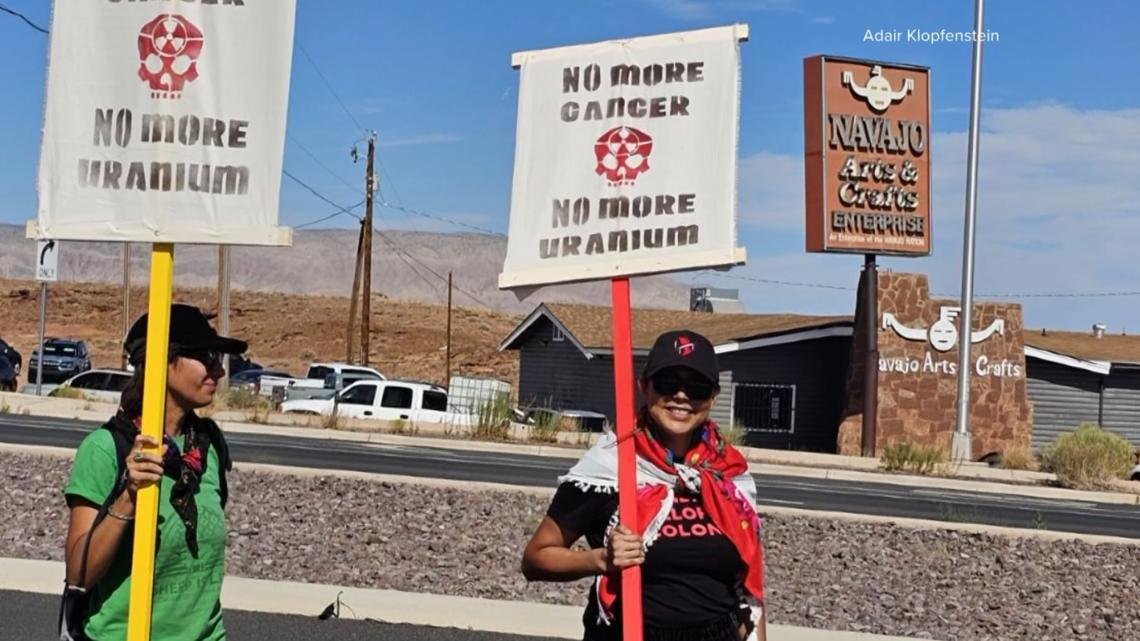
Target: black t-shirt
pixel 692 572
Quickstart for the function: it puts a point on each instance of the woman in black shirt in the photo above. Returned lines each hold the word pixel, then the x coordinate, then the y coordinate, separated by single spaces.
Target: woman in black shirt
pixel 698 540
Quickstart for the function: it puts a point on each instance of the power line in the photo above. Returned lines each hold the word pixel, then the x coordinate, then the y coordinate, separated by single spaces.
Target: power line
pixel 330 88
pixel 322 165
pixel 786 283
pixel 24 18
pixel 767 281
pixel 444 219
pixel 415 271
pixel 316 193
pixel 404 256
pixel 388 177
pixel 340 212
pixel 1048 295
pixel 396 248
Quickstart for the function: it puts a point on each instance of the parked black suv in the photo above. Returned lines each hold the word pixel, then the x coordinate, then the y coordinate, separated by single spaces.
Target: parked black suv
pixel 8 352
pixel 62 360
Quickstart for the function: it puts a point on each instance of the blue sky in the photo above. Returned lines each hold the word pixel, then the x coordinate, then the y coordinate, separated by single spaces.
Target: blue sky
pixel 1060 151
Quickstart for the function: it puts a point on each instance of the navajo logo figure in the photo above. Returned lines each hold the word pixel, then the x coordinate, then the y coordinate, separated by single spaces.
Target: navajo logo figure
pixel 943 334
pixel 877 92
pixel 169 47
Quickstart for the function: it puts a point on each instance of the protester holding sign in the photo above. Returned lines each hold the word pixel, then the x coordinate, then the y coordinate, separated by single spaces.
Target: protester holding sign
pixel 110 467
pixel 698 539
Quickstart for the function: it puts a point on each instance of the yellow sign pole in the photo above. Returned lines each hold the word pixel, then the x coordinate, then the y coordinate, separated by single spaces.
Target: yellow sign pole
pixel 153 419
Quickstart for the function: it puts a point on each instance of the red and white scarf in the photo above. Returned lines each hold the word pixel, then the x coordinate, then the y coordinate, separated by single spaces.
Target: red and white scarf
pixel 713 469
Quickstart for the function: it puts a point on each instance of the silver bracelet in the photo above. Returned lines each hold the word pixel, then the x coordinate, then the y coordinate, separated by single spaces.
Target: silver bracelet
pixel 111 513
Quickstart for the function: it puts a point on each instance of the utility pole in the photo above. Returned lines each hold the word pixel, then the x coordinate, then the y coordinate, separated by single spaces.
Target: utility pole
pixel 349 356
pixel 126 303
pixel 447 375
pixel 366 308
pixel 224 306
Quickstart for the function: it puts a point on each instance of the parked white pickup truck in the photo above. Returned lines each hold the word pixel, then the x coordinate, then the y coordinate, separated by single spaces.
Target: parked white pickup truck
pixel 321 381
pixel 382 400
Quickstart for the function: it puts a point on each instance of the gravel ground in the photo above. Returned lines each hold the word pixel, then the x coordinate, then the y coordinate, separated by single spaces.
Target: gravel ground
pixel 821 573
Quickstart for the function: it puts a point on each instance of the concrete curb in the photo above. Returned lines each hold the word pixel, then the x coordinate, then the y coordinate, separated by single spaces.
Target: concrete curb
pixel 946 483
pixel 391 606
pixel 921 524
pixel 972 528
pixel 798 464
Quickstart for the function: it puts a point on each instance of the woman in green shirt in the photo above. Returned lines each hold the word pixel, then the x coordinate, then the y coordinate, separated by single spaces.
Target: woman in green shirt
pixel 190 472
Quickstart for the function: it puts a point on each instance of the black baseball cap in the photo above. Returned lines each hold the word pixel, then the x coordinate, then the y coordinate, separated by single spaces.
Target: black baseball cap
pixel 190 330
pixel 683 348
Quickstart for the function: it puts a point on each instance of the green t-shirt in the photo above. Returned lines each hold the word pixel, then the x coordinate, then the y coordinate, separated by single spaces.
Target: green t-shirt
pixel 187 591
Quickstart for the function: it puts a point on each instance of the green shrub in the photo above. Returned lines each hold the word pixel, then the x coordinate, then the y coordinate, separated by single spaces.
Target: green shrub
pixel 493 419
pixel 735 434
pixel 68 392
pixel 546 427
pixel 244 398
pixel 400 426
pixel 1089 458
pixel 905 457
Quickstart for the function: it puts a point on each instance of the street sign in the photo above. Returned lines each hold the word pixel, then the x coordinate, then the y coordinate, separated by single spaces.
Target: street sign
pixel 47 261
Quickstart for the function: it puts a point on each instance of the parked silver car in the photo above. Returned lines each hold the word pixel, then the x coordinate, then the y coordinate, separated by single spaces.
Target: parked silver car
pixel 62 359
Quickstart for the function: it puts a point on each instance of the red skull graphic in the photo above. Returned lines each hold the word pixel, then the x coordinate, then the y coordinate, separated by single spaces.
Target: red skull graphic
pixel 622 154
pixel 684 346
pixel 169 47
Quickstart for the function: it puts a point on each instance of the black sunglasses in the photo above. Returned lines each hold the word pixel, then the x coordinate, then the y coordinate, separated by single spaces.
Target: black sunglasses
pixel 209 358
pixel 668 383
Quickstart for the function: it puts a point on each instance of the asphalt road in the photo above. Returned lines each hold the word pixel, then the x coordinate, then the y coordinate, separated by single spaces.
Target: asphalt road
pixel 34 616
pixel 816 494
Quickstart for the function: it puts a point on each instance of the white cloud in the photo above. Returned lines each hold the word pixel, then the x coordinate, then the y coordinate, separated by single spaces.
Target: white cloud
pixel 1059 201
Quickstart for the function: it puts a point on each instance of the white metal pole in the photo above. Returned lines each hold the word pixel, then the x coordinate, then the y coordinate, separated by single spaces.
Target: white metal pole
pixel 224 311
pixel 961 446
pixel 40 350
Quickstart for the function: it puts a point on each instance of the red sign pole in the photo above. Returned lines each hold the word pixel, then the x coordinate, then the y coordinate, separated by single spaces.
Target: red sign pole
pixel 627 453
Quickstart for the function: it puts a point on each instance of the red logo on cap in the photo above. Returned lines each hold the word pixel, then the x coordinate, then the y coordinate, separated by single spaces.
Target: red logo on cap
pixel 684 346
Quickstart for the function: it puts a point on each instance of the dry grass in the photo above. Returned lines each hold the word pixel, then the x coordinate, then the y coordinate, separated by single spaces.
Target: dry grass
pixel 68 392
pixel 1090 458
pixel 917 459
pixel 1019 458
pixel 332 421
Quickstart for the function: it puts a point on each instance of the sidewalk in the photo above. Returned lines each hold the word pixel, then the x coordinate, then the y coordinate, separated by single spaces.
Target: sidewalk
pixel 968 477
pixel 308 599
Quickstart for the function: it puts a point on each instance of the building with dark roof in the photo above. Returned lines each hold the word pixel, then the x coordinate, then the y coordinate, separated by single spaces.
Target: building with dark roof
pixel 793 381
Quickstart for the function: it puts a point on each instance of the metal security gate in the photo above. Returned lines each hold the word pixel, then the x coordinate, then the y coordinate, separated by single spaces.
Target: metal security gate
pixel 766 412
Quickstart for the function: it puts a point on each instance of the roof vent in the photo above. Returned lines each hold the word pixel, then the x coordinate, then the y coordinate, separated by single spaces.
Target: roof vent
pixel 1098 330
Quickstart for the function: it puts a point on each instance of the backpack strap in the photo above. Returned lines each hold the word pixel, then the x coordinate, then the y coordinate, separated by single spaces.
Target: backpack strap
pixel 218 442
pixel 123 444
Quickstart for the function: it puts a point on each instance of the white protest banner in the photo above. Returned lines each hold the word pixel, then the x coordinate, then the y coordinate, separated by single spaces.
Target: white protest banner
pixel 165 122
pixel 625 158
